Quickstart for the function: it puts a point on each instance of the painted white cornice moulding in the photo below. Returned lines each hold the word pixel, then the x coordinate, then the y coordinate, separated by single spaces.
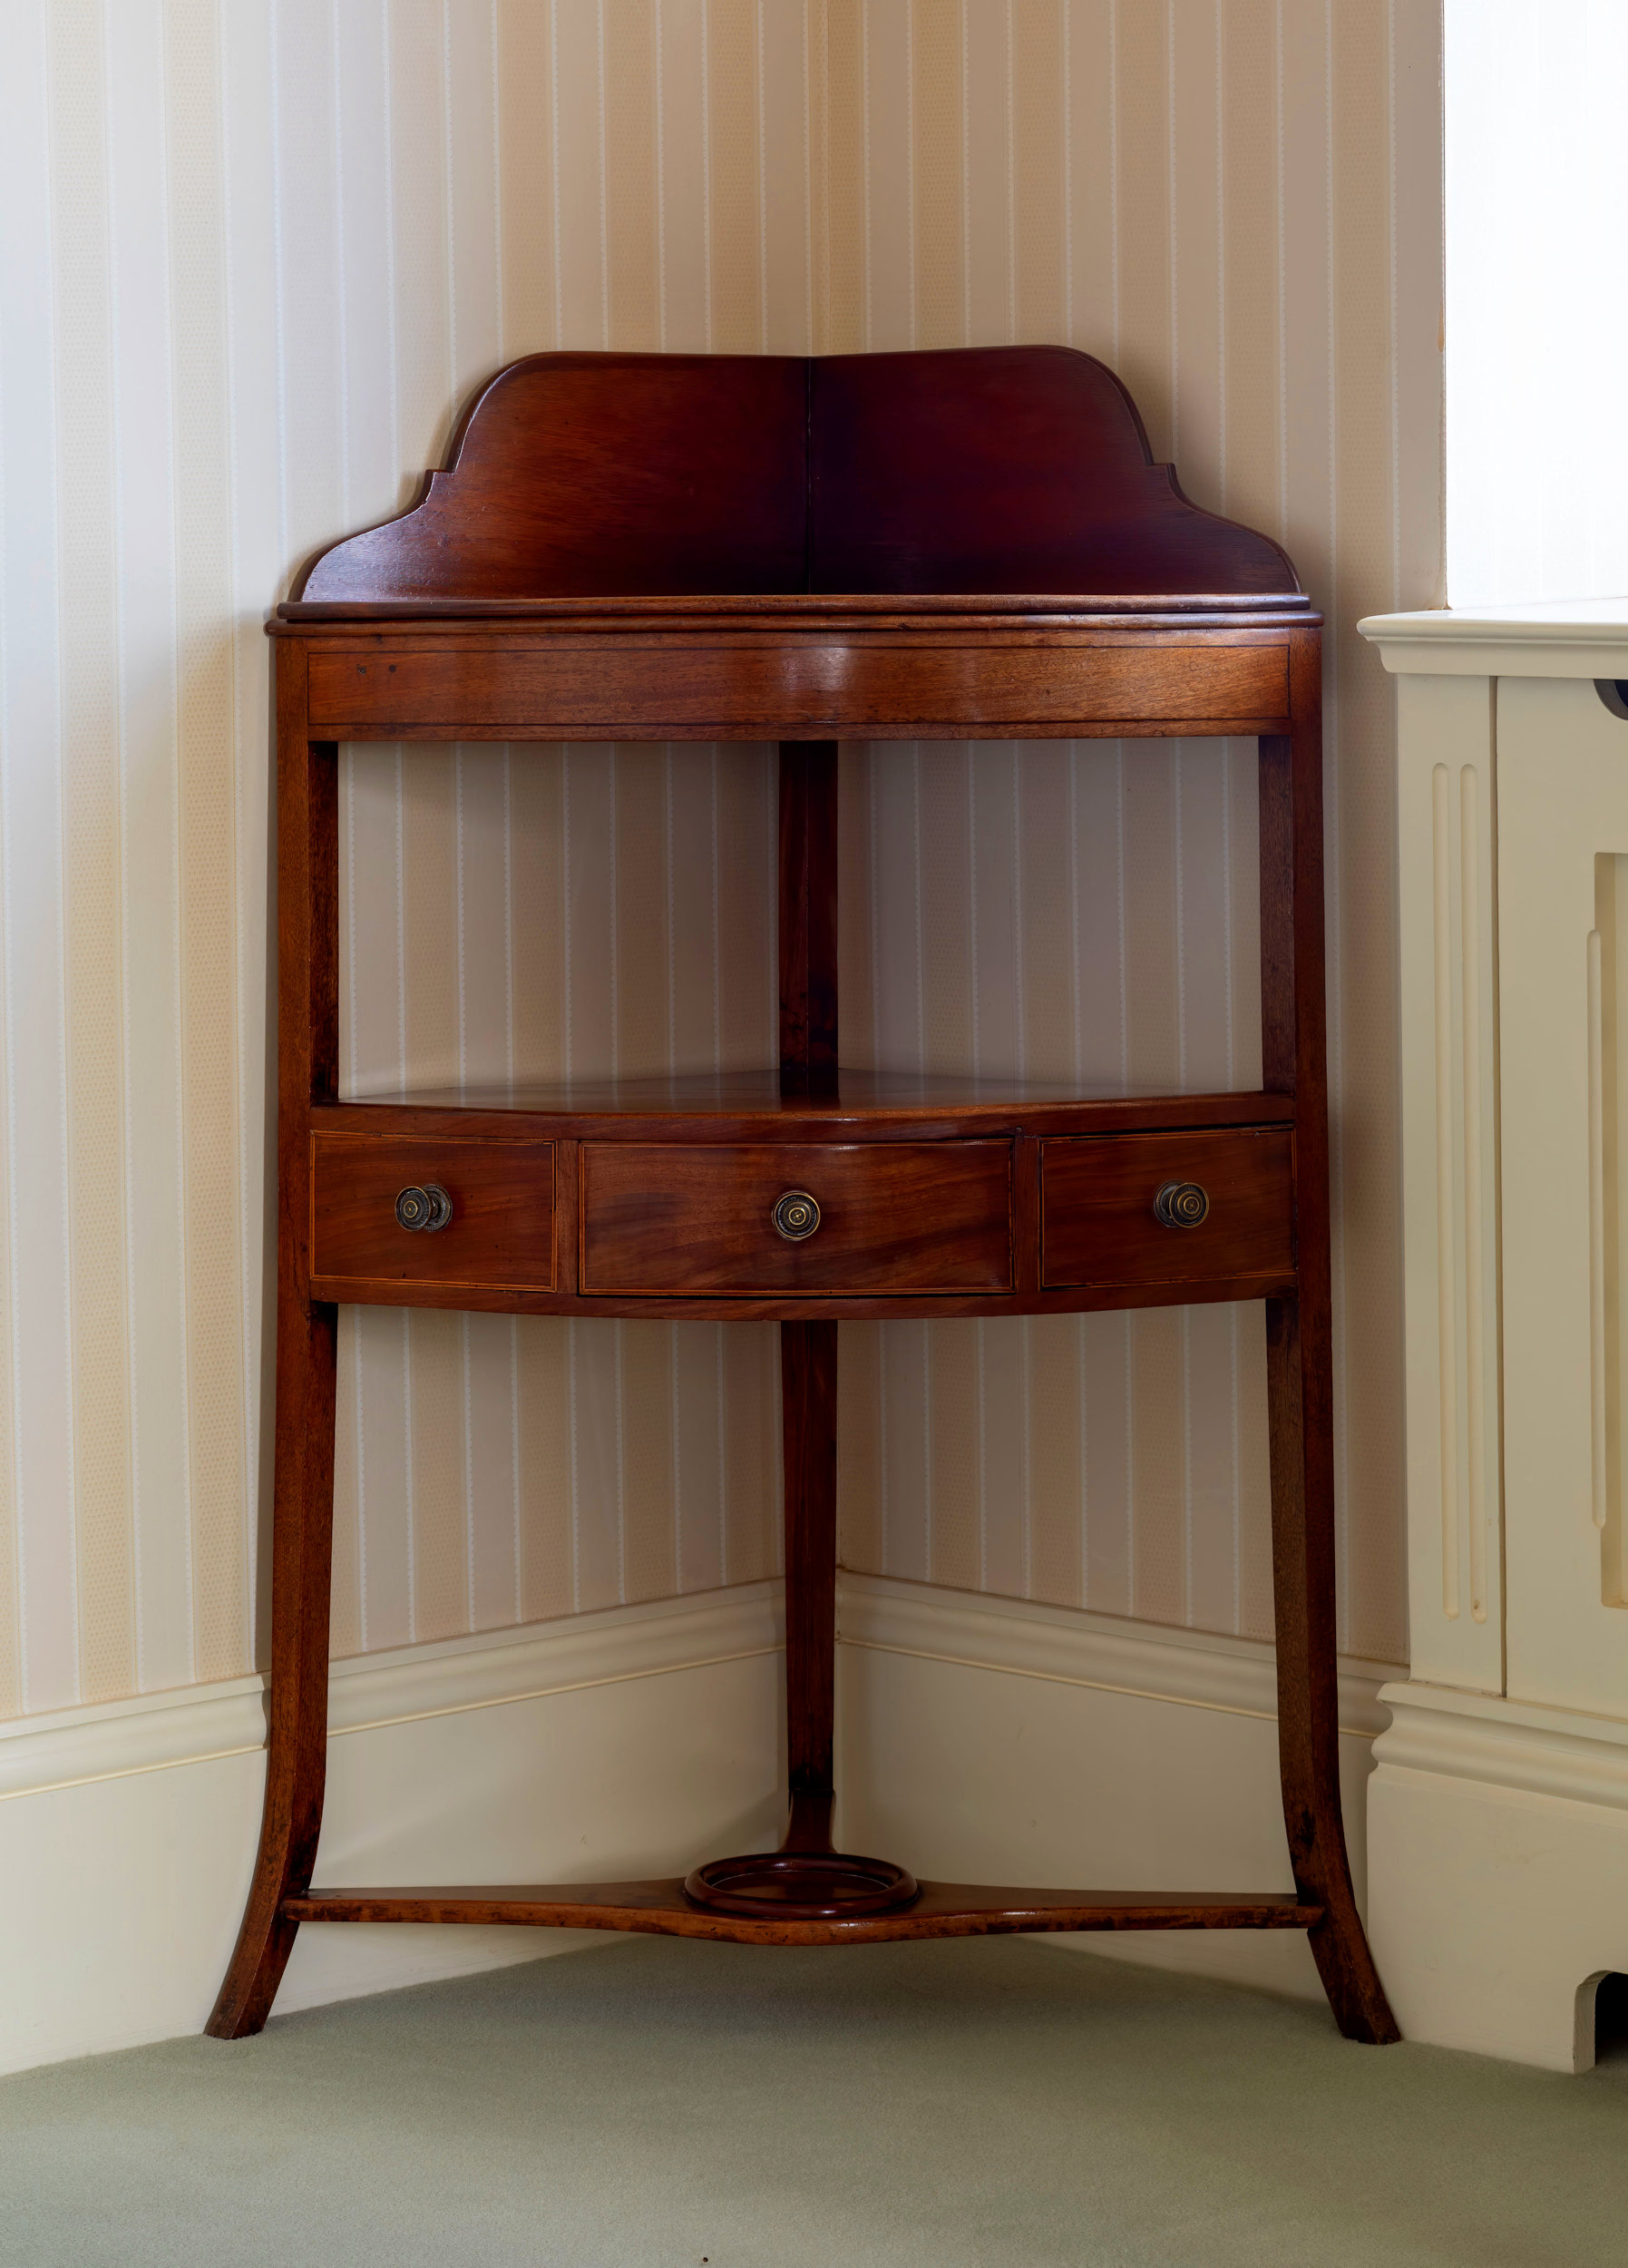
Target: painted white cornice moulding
pixel 1560 637
pixel 1013 1637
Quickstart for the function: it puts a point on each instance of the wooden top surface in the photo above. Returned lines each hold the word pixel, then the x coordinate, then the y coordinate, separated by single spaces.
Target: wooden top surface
pixel 786 495
pixel 859 1097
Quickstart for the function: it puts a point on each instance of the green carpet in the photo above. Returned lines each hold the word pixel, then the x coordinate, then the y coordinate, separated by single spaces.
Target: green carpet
pixel 651 2104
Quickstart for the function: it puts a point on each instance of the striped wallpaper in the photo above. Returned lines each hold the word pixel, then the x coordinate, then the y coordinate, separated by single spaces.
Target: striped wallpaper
pixel 254 252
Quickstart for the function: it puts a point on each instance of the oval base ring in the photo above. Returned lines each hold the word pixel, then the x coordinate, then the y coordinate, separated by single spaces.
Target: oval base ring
pixel 801 1886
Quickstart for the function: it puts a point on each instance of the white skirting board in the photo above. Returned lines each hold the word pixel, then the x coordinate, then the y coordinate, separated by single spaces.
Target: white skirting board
pixel 980 1739
pixel 1498 1836
pixel 991 1740
pixel 604 1745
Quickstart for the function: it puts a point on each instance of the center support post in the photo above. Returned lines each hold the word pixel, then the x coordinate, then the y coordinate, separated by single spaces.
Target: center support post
pixel 808 1402
pixel 809 1056
pixel 808 1045
pixel 807 906
pixel 807 1877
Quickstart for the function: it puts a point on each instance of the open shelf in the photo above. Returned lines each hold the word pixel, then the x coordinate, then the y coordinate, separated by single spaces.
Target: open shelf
pixel 894 1101
pixel 943 1909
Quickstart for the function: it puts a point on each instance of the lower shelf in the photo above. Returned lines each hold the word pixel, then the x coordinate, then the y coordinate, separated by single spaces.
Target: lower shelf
pixel 943 1909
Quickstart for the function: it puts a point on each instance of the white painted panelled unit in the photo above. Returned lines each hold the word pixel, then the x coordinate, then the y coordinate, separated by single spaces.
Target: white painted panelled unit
pixel 1448 1051
pixel 1498 1813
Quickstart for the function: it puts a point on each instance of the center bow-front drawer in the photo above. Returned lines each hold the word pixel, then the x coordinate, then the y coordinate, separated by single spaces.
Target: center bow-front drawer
pixel 815 1218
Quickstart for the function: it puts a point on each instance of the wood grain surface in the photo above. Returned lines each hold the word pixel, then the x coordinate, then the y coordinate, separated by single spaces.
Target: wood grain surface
pixel 749 1110
pixel 894 1216
pixel 604 473
pixel 981 469
pixel 806 904
pixel 302 1524
pixel 687 688
pixel 635 546
pixel 1006 468
pixel 1300 1379
pixel 754 1105
pixel 501 1231
pixel 943 1910
pixel 808 1457
pixel 1098 1225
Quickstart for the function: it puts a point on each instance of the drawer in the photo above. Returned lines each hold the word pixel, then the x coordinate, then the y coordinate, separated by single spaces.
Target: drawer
pixel 501 1232
pixel 836 681
pixel 893 1217
pixel 1098 1225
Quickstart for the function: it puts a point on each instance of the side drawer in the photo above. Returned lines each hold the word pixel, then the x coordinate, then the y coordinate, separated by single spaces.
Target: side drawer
pixel 1097 1196
pixel 500 1234
pixel 908 1217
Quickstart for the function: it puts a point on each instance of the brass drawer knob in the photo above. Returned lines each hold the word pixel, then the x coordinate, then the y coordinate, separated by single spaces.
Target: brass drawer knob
pixel 1181 1205
pixel 795 1216
pixel 424 1210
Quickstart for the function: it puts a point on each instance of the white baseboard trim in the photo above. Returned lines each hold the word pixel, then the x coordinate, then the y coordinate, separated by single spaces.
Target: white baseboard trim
pixel 1498 1853
pixel 1021 1638
pixel 113 1740
pixel 1015 1637
pixel 987 1739
pixel 1506 1744
pixel 602 1745
pixel 981 1739
pixel 155 1731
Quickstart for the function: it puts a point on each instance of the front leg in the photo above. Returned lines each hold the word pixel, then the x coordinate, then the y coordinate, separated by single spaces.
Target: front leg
pixel 297 1755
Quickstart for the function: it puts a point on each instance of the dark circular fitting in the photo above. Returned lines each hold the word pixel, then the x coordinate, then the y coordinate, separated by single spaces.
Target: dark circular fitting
pixel 801 1886
pixel 423 1210
pixel 796 1214
pixel 1181 1205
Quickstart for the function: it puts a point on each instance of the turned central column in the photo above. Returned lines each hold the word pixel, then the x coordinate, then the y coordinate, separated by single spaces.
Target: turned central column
pixel 807 1879
pixel 808 999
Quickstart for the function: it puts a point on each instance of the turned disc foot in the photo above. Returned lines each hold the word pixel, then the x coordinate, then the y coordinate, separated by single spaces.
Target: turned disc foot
pixel 801 1885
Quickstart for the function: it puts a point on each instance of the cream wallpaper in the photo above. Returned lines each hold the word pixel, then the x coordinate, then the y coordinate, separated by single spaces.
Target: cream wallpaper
pixel 255 252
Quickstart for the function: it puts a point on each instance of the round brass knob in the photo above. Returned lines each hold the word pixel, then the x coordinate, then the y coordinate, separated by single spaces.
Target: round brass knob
pixel 424 1210
pixel 795 1216
pixel 1181 1205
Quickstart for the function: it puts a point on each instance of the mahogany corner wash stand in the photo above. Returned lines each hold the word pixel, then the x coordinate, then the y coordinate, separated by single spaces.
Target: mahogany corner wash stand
pixel 964 545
